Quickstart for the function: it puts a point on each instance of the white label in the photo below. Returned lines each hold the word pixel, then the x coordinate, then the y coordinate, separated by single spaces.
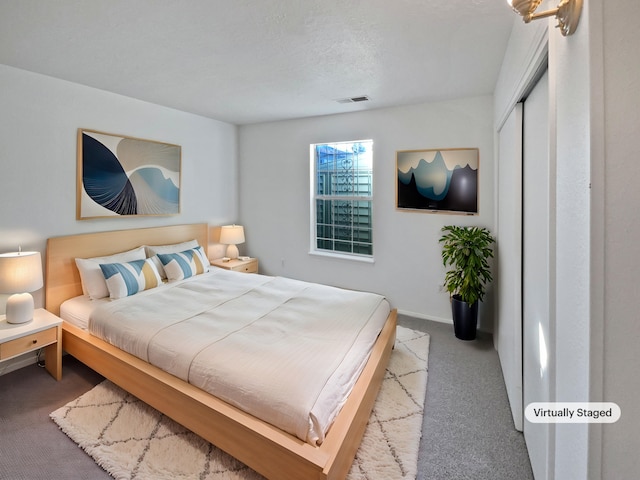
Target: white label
pixel 572 412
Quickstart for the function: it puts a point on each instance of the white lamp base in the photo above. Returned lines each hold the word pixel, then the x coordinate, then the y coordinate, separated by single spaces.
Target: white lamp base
pixel 19 308
pixel 232 252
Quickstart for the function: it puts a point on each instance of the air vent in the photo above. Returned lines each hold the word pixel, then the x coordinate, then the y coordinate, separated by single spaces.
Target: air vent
pixel 361 98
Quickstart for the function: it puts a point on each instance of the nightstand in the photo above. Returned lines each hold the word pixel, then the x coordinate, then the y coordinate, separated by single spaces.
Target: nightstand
pixel 246 266
pixel 44 331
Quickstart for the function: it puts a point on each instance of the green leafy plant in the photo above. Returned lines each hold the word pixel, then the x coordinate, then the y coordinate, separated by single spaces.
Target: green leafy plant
pixel 466 250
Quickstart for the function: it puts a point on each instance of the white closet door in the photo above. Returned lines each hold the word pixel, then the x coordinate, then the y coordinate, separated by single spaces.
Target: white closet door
pixel 537 231
pixel 509 250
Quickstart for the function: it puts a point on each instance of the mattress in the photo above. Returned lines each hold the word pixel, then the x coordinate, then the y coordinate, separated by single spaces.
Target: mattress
pixel 77 310
pixel 212 356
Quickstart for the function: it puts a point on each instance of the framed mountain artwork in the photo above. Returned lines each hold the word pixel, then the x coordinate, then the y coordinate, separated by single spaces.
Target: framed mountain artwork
pixel 119 176
pixel 439 180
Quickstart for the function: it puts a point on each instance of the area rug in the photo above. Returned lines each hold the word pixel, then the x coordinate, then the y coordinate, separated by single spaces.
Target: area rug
pixel 131 440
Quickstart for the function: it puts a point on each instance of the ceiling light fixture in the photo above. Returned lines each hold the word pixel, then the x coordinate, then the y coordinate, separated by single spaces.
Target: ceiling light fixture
pixel 567 13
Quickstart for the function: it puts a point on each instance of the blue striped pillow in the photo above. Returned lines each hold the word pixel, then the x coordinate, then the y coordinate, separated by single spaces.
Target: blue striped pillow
pixel 179 266
pixel 125 279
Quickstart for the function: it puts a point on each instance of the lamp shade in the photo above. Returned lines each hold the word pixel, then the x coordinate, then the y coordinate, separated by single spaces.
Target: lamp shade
pixel 20 272
pixel 232 234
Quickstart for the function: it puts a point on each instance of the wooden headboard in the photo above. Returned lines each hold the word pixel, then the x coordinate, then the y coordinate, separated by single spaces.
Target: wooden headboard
pixel 62 279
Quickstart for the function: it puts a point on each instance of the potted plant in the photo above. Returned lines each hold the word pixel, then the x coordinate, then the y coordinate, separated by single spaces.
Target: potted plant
pixel 466 250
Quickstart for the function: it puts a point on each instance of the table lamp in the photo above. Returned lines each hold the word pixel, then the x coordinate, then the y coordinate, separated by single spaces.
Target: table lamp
pixel 232 235
pixel 20 274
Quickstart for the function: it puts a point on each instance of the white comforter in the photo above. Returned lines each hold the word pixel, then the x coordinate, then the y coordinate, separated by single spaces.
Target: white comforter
pixel 268 345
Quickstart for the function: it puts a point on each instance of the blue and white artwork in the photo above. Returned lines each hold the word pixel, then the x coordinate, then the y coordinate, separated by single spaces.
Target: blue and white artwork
pixel 438 180
pixel 124 176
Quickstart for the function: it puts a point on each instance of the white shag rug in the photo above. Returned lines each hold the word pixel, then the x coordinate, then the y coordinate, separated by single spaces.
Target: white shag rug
pixel 131 440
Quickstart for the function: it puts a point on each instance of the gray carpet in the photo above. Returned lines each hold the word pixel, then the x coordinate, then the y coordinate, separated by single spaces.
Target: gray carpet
pixel 467 429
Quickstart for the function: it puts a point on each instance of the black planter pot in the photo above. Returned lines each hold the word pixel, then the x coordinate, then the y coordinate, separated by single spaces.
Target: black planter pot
pixel 465 318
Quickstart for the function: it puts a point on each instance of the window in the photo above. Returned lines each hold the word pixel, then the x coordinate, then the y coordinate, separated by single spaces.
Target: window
pixel 342 199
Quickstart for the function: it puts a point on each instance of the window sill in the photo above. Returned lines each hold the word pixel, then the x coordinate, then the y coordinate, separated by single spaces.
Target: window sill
pixel 343 256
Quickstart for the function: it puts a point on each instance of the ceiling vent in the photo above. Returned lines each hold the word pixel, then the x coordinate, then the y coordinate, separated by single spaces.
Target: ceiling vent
pixel 361 98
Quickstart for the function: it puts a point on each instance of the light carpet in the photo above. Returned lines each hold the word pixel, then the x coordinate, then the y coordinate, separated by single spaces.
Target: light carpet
pixel 131 440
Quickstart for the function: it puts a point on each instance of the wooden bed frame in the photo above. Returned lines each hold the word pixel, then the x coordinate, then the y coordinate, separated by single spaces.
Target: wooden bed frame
pixel 268 450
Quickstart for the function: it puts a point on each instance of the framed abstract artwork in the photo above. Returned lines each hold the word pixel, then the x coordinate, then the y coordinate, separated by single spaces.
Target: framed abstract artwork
pixel 439 180
pixel 119 176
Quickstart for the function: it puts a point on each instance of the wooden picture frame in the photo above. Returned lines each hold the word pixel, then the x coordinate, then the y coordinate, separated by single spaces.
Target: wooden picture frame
pixel 120 176
pixel 438 180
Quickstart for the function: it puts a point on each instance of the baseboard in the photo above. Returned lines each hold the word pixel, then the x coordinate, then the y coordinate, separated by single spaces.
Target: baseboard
pixel 426 317
pixel 448 321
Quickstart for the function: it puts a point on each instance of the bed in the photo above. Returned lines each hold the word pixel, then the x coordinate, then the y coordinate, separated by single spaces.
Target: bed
pixel 269 450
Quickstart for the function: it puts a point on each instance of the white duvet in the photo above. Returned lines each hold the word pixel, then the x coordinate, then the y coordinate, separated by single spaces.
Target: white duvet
pixel 268 345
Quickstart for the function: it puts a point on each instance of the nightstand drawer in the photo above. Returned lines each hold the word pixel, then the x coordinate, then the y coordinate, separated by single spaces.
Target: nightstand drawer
pixel 28 342
pixel 250 266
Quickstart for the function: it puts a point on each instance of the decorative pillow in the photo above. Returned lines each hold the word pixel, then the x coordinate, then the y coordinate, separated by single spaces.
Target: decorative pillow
pixel 179 266
pixel 126 279
pixel 93 283
pixel 154 250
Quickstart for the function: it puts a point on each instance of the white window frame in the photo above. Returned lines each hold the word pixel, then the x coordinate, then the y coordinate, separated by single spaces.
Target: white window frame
pixel 314 250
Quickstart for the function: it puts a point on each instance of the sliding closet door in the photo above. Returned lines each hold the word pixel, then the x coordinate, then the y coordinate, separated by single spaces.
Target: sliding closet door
pixel 509 249
pixel 537 231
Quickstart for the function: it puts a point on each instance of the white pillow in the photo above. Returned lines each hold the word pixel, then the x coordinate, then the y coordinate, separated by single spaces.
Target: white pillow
pixel 181 265
pixel 126 279
pixel 154 250
pixel 93 283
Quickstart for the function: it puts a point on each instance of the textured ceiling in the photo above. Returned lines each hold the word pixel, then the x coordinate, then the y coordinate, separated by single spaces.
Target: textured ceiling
pixel 244 61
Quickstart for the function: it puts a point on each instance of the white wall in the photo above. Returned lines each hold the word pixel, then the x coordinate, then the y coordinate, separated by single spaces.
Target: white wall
pixel 523 55
pixel 39 118
pixel 274 199
pixel 620 169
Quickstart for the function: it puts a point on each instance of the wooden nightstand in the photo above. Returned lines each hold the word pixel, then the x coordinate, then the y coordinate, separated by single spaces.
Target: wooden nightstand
pixel 246 266
pixel 45 330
